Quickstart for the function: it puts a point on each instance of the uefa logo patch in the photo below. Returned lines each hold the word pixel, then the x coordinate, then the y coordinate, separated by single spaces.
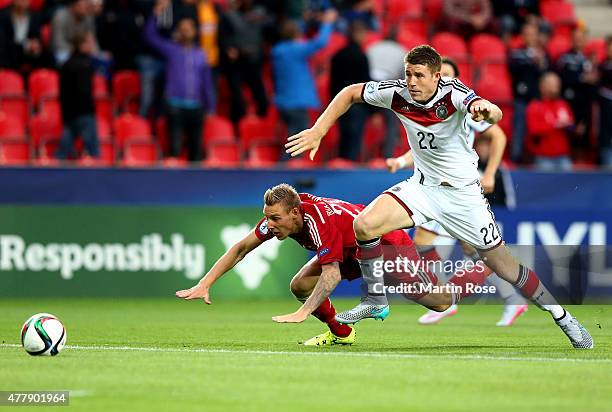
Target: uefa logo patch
pixel 263 228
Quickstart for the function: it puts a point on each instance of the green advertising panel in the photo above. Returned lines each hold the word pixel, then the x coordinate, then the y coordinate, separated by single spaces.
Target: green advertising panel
pixel 136 251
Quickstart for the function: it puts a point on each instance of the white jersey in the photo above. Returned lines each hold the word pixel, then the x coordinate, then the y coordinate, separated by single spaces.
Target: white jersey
pixel 438 131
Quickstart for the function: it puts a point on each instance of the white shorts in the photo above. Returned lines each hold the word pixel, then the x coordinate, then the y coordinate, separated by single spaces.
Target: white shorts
pixel 463 212
pixel 434 227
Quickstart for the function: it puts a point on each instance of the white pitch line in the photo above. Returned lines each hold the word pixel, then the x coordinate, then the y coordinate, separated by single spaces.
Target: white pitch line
pixel 345 354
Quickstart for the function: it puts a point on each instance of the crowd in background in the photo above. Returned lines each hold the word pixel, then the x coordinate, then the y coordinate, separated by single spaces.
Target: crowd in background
pixel 283 60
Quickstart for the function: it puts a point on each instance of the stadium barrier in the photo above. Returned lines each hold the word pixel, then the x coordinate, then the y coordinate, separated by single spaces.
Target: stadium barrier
pixel 89 232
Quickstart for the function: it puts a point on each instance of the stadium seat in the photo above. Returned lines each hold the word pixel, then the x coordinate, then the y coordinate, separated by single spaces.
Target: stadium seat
pixel 322 82
pixel 377 163
pixel 486 48
pixel 126 90
pixel 450 45
pixel 373 136
pixel 129 126
pixel 433 10
pixel 263 155
pixel 14 153
pixel 103 127
pixel 42 128
pixel 11 127
pixel 398 10
pixel 138 153
pixel 51 108
pixel 37 5
pixel 222 154
pixel 100 86
pixel 415 26
pixel 596 48
pixel 104 108
pixel 409 39
pixel 558 45
pixel 256 129
pixel 371 37
pixel 5 3
pixel 218 128
pixel 465 73
pixel 561 15
pixel 340 163
pixel 43 84
pixel 11 83
pixel 302 162
pixel 493 89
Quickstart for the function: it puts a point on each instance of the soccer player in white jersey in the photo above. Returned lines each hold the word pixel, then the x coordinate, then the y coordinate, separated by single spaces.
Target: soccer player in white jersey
pixel 425 235
pixel 445 187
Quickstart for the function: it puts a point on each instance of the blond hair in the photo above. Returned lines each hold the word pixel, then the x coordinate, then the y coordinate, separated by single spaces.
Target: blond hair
pixel 283 193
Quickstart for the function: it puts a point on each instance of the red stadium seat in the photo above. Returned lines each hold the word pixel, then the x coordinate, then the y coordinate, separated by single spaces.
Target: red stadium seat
pixel 107 153
pixel 256 129
pixel 100 86
pixel 398 10
pixel 43 128
pixel 11 128
pixel 103 127
pixel 450 45
pixel 14 153
pixel 493 89
pixel 218 128
pixel 373 136
pixel 126 90
pixel 104 108
pixel 433 10
pixel 16 106
pixel 416 26
pixel 561 15
pixel 322 82
pixel 597 49
pixel 340 163
pixel 43 84
pixel 223 154
pixel 377 163
pixel 263 155
pixel 52 109
pixel 129 126
pixel 465 74
pixel 139 153
pixel 371 38
pixel 485 48
pixel 558 45
pixel 5 3
pixel 301 163
pixel 11 83
pixel 409 39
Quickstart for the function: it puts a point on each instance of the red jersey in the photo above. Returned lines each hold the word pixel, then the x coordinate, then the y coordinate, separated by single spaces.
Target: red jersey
pixel 328 229
pixel 545 136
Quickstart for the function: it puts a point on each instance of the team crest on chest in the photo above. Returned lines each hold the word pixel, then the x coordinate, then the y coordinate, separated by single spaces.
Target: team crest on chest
pixel 442 111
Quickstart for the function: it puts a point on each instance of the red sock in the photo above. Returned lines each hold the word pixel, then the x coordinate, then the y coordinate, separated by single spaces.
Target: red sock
pixel 326 313
pixel 476 276
pixel 429 254
pixel 527 282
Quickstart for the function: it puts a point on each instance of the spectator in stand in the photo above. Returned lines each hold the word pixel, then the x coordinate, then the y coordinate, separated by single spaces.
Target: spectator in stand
pixel 242 44
pixel 386 60
pixel 578 76
pixel 349 66
pixel 549 124
pixel 293 83
pixel 357 11
pixel 513 14
pixel 74 18
pixel 76 98
pixel 605 107
pixel 208 14
pixel 188 90
pixel 527 64
pixel 468 17
pixel 20 43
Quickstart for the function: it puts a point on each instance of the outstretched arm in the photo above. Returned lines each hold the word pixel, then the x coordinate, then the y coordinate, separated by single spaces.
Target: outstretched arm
pixel 229 259
pixel 310 139
pixel 498 145
pixel 329 279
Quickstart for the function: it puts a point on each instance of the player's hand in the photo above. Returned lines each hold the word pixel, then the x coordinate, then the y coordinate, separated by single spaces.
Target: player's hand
pixel 295 317
pixel 308 139
pixel 199 291
pixel 480 110
pixel 488 183
pixel 393 164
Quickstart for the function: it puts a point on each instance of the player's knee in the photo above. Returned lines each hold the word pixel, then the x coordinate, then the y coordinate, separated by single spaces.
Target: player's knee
pixel 298 288
pixel 364 227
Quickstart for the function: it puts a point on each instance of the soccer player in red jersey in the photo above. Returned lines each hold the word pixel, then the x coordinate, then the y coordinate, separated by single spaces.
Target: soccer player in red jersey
pixel 325 226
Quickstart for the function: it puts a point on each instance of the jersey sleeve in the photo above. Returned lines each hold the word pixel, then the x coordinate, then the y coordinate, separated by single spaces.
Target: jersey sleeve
pixel 478 127
pixel 328 240
pixel 262 232
pixel 379 94
pixel 463 96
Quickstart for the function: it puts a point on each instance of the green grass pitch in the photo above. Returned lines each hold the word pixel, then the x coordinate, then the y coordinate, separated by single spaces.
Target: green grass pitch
pixel 167 354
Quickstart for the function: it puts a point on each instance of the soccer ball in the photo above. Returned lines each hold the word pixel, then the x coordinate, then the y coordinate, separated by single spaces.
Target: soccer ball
pixel 43 334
